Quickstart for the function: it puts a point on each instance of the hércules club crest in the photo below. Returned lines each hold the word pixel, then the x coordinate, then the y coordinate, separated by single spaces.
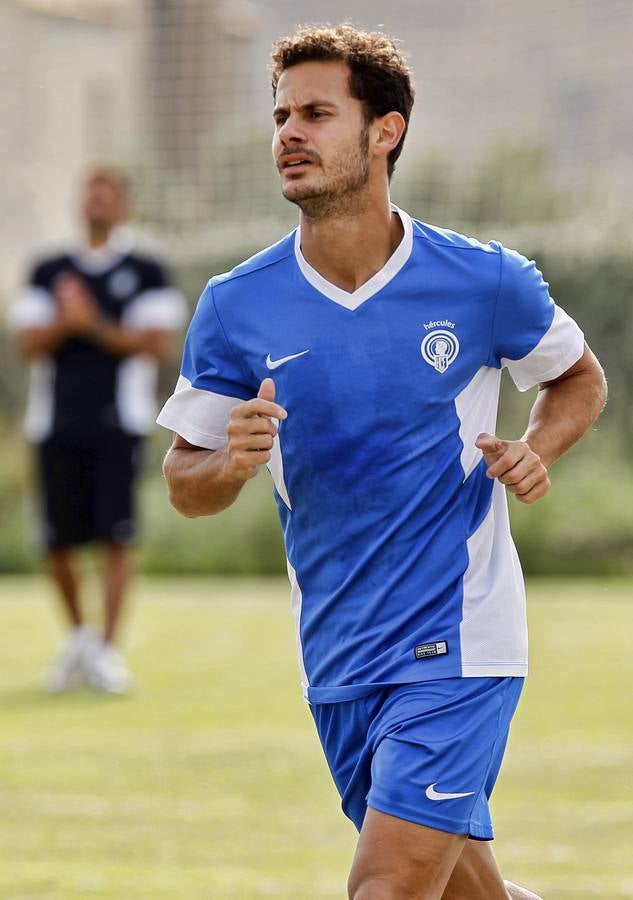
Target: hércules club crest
pixel 440 345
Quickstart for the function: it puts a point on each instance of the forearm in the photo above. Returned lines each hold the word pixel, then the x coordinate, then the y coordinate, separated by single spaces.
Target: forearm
pixel 564 410
pixel 204 482
pixel 199 481
pixel 44 341
pixel 120 341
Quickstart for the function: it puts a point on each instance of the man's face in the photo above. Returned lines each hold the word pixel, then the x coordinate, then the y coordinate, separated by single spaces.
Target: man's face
pixel 320 145
pixel 104 202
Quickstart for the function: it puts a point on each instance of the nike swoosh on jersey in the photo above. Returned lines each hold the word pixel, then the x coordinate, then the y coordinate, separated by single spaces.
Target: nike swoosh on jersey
pixel 275 363
pixel 432 794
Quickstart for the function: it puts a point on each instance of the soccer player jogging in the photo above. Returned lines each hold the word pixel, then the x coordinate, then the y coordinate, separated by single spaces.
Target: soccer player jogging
pixel 360 359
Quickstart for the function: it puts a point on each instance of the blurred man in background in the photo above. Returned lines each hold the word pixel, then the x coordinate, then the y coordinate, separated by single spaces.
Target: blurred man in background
pixel 94 323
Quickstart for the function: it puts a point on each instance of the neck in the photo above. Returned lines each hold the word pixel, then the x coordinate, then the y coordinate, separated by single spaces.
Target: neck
pixel 349 246
pixel 98 235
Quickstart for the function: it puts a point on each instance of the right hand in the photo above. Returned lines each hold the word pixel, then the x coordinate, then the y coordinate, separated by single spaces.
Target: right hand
pixel 77 309
pixel 251 432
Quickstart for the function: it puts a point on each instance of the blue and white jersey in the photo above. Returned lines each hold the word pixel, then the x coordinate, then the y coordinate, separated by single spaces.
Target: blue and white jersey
pixel 399 550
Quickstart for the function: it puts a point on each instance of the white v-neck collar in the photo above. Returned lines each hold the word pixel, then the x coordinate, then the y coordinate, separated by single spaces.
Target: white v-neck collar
pixel 376 283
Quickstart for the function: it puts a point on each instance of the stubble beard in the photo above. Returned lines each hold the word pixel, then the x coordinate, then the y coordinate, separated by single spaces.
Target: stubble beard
pixel 342 193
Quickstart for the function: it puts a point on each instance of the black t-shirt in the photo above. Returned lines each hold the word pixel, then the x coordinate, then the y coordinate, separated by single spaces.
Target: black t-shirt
pixel 83 375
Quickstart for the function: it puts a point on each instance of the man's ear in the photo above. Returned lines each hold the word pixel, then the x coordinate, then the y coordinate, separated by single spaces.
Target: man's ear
pixel 387 132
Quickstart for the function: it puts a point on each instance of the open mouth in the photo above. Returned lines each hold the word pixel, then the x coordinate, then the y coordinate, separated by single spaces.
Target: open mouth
pixel 295 163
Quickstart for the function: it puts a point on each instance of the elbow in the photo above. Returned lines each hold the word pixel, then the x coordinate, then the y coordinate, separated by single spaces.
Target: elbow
pixel 601 390
pixel 182 503
pixel 605 391
pixel 183 507
pixel 178 494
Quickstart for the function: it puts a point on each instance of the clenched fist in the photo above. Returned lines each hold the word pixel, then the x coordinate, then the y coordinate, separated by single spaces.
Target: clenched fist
pixel 516 466
pixel 251 432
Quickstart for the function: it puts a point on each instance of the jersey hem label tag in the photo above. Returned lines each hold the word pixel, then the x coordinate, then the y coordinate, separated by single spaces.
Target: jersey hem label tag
pixel 438 648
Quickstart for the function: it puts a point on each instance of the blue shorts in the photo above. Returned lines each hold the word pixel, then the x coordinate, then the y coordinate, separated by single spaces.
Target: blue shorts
pixel 428 752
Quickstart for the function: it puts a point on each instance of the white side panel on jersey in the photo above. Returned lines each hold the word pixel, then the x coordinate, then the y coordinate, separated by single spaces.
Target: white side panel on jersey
pixel 296 601
pixel 476 407
pixel 136 392
pixel 38 419
pixel 199 416
pixel 493 630
pixel 161 308
pixel 33 307
pixel 276 469
pixel 560 347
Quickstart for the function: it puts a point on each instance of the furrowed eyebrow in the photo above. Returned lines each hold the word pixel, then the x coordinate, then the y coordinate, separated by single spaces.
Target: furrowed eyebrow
pixel 306 107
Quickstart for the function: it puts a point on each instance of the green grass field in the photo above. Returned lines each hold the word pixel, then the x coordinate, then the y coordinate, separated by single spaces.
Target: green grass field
pixel 208 782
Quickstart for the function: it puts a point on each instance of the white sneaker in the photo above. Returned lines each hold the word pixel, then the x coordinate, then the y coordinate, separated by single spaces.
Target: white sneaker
pixel 106 671
pixel 68 669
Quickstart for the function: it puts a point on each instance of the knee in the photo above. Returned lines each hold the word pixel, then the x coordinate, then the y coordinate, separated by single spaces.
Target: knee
pixel 520 893
pixel 384 887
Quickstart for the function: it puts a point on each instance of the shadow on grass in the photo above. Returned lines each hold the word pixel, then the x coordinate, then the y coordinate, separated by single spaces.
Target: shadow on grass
pixel 32 697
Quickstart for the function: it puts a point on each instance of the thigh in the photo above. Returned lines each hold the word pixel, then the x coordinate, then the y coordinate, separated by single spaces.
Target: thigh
pixel 117 465
pixel 396 858
pixel 67 482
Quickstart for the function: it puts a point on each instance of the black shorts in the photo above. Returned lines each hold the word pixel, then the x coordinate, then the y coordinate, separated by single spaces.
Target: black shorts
pixel 87 487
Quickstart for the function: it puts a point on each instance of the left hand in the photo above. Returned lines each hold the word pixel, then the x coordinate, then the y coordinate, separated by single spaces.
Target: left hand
pixel 516 466
pixel 77 309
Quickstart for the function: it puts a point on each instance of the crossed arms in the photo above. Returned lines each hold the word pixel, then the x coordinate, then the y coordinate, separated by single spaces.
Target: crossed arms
pixel 78 315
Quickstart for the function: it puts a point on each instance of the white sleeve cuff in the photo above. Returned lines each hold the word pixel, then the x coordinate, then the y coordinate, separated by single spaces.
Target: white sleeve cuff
pixel 200 417
pixel 560 347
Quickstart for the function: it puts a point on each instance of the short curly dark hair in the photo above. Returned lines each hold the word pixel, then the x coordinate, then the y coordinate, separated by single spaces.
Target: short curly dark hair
pixel 379 75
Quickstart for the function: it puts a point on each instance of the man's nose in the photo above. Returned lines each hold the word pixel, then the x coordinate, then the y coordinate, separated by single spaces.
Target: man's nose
pixel 291 132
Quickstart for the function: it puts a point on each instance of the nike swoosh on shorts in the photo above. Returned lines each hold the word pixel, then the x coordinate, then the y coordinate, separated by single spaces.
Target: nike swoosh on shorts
pixel 432 794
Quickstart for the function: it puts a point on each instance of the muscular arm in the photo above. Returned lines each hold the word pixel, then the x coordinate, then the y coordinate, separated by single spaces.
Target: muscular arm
pixel 121 341
pixel 113 338
pixel 204 482
pixel 564 409
pixel 42 341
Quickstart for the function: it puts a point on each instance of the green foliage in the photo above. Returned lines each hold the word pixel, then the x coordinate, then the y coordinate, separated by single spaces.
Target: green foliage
pixel 17 522
pixel 511 184
pixel 593 281
pixel 245 538
pixel 585 524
